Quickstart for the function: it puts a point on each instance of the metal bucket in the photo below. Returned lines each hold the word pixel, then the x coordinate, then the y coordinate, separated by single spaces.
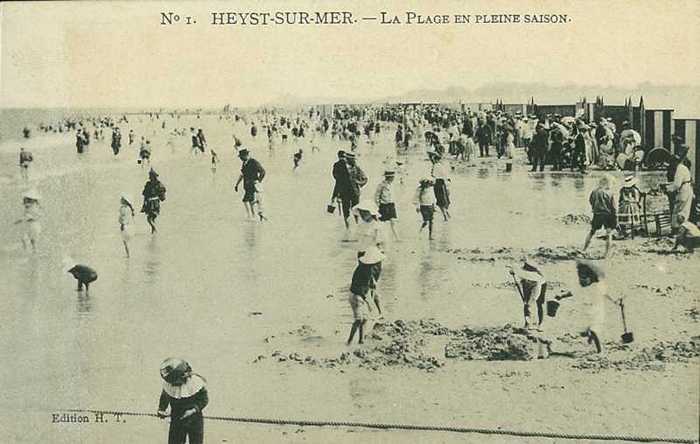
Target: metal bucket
pixel 552 307
pixel 627 337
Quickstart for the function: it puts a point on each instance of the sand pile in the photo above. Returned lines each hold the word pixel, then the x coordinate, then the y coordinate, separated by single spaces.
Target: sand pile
pixel 493 344
pixel 648 358
pixel 545 254
pixel 479 255
pixel 575 219
pixel 425 344
pixel 558 253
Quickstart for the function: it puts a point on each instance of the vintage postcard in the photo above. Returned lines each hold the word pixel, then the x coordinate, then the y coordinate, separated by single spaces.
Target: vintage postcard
pixel 350 222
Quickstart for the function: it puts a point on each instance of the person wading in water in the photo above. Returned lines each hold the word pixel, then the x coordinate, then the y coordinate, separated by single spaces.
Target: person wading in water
pixel 252 175
pixel 153 195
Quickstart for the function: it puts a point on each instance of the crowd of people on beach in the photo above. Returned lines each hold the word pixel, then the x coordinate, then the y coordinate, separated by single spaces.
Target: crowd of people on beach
pixel 446 136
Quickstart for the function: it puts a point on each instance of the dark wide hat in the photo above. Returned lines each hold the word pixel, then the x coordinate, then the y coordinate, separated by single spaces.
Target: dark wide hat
pixel 589 269
pixel 175 369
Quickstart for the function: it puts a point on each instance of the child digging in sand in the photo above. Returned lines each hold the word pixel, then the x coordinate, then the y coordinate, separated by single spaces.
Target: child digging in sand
pixel 364 280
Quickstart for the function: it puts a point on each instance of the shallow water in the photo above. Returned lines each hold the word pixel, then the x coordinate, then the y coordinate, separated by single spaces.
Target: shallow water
pixel 191 289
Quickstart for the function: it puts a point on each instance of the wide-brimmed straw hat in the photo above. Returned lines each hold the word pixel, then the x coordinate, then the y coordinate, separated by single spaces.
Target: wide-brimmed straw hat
pixel 630 181
pixel 366 205
pixel 32 194
pixel 372 256
pixel 126 197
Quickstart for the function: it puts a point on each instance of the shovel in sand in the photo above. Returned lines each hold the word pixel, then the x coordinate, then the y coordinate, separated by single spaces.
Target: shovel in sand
pixel 627 336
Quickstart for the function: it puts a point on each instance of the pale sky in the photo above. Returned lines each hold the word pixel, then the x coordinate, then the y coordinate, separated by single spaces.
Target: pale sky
pixel 116 54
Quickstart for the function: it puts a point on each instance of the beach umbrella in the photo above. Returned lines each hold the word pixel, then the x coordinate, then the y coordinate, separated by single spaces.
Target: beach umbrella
pixel 657 157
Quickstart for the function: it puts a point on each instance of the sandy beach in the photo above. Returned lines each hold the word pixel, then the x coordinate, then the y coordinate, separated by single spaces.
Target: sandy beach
pixel 260 309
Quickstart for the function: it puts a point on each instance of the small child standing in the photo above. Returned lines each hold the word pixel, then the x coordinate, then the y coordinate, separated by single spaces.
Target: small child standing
pixel 25 159
pixel 592 279
pixel 384 199
pixel 258 200
pixel 510 148
pixel 126 217
pixel 425 204
pixel 32 215
pixel 84 275
pixel 297 159
pixel 364 280
pixel 186 394
pixel 214 160
pixel 604 213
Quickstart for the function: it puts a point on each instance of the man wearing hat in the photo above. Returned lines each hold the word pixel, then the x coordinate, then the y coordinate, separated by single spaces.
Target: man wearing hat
pixel 116 140
pixel 538 147
pixel 339 169
pixel 349 183
pixel 252 174
pixel 682 187
pixel 578 158
pixel 483 138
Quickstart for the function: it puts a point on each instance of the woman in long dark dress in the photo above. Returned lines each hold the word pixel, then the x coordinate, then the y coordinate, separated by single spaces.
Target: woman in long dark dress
pixel 153 195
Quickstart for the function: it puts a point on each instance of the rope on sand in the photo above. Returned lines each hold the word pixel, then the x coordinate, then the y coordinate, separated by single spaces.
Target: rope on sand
pixel 429 428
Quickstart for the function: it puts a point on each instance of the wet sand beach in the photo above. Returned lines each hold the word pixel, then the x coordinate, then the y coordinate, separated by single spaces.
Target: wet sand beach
pixel 261 310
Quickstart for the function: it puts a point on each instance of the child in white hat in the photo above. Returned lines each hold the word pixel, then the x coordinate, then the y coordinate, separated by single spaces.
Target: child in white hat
pixel 368 229
pixel 384 198
pixel 31 218
pixel 364 281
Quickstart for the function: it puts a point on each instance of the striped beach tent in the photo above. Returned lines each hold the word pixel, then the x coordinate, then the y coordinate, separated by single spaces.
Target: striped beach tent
pixel 688 130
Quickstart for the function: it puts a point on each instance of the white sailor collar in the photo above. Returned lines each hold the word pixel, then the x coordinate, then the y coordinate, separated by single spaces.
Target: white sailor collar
pixel 193 385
